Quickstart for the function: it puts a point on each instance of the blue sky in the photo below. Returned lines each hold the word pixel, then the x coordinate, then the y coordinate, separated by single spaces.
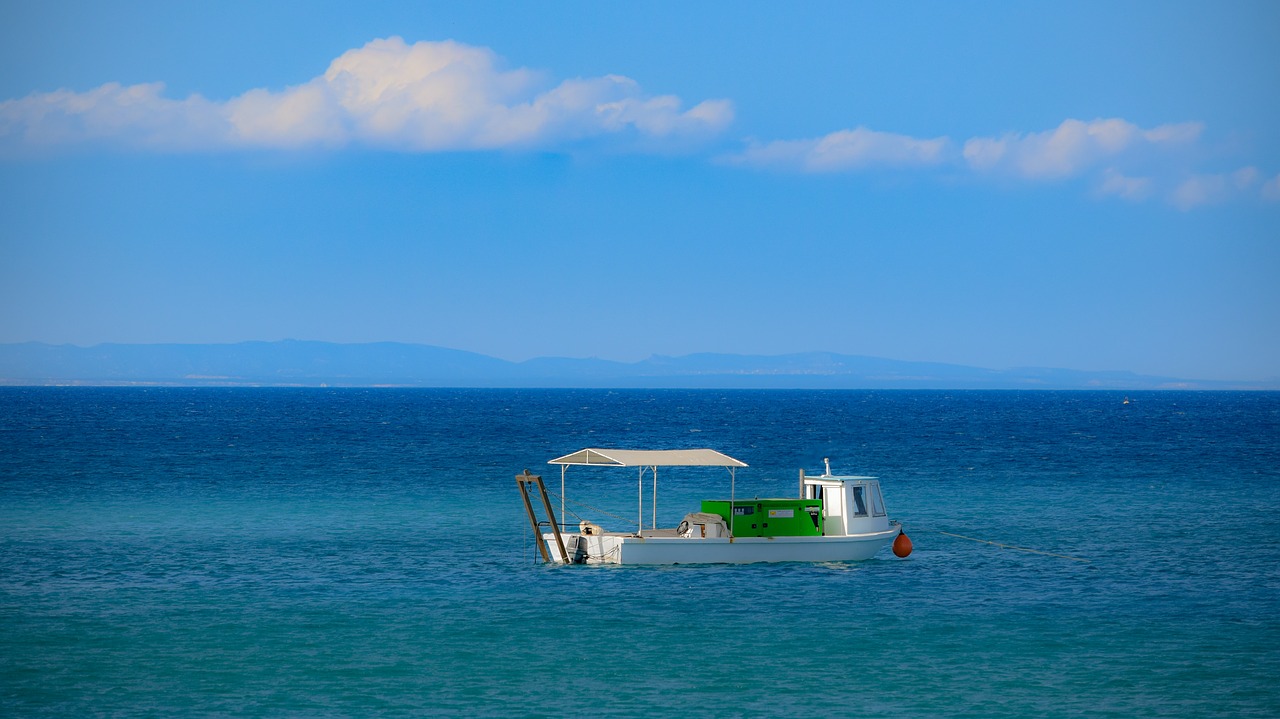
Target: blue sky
pixel 1083 185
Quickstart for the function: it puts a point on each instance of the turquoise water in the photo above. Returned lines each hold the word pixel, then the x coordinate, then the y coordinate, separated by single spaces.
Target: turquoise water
pixel 316 553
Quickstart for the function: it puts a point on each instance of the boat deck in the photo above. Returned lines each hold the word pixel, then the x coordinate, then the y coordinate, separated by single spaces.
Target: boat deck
pixel 645 533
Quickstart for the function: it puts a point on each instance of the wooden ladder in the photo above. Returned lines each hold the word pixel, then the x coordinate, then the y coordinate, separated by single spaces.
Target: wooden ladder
pixel 526 482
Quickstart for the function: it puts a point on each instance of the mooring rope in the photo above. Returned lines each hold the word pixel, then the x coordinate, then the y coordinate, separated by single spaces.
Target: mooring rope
pixel 1010 546
pixel 588 506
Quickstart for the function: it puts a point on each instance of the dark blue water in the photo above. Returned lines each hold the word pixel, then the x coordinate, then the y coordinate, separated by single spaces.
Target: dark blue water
pixel 315 553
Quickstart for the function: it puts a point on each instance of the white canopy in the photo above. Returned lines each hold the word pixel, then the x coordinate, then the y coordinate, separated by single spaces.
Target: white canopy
pixel 649 458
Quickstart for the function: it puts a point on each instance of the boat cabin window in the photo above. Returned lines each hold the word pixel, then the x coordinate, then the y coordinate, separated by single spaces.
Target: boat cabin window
pixel 859 504
pixel 877 502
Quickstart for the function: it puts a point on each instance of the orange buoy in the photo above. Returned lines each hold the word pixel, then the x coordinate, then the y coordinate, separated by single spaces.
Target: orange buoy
pixel 902 545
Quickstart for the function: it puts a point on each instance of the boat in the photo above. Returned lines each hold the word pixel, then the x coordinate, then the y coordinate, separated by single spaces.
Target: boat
pixel 835 518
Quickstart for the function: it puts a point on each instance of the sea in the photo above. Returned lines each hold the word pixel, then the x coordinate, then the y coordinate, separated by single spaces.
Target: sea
pixel 291 552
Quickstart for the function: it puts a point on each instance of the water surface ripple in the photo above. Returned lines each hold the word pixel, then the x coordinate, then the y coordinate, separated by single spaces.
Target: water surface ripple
pixel 333 553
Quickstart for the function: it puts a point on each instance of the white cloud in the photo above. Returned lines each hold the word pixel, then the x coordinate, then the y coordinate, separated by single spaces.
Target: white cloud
pixel 1118 158
pixel 1071 148
pixel 1271 189
pixel 137 115
pixel 1209 189
pixel 448 96
pixel 428 96
pixel 298 117
pixel 855 149
pixel 1245 177
pixel 1198 190
pixel 1120 185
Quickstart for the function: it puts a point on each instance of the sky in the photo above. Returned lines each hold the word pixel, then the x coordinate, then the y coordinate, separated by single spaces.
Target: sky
pixel 1084 185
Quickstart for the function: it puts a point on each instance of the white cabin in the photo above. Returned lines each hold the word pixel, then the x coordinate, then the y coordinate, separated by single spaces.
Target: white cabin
pixel 850 505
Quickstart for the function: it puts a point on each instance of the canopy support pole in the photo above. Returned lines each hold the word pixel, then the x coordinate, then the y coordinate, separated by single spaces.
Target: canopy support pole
pixel 653 524
pixel 640 505
pixel 733 476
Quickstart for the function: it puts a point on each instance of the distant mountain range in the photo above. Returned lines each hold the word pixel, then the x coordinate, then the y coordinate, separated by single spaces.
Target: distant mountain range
pixel 317 364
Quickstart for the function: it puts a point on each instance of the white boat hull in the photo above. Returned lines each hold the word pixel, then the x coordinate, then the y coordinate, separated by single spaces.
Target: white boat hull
pixel 630 549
